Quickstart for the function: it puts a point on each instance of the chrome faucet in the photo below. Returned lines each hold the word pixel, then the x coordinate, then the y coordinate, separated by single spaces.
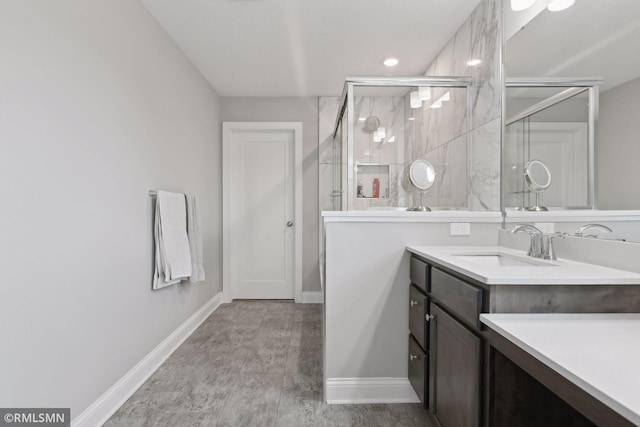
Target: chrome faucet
pixel 549 252
pixel 581 230
pixel 536 248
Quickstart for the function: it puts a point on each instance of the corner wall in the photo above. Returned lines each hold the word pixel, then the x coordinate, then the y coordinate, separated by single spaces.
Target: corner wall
pixel 98 106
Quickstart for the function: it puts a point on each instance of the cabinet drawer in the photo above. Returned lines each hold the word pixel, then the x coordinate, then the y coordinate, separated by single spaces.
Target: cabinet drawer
pixel 463 299
pixel 418 371
pixel 419 274
pixel 418 308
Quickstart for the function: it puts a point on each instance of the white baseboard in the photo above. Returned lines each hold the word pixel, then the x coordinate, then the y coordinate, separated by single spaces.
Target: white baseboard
pixel 313 297
pixel 370 390
pixel 99 411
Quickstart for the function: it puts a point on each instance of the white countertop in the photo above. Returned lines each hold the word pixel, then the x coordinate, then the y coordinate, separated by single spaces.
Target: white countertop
pixel 600 353
pixel 560 272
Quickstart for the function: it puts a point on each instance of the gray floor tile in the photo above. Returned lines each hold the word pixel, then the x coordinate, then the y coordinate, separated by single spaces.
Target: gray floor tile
pixel 252 363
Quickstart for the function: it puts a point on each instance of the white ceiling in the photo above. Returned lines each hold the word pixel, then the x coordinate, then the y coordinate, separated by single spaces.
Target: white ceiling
pixel 306 47
pixel 593 38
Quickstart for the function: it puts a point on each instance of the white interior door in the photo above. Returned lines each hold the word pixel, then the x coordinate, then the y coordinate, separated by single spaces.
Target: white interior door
pixel 261 210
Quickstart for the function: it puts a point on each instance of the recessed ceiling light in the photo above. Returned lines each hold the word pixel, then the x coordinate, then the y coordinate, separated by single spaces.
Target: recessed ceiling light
pixel 474 62
pixel 391 62
pixel 557 5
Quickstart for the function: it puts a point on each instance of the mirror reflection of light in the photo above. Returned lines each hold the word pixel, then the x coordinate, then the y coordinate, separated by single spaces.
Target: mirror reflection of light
pixel 424 93
pixel 362 119
pixel 517 5
pixel 437 104
pixel 414 100
pixel 474 62
pixel 558 5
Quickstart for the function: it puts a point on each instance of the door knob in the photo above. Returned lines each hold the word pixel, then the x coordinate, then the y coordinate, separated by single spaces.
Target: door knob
pixel 289 223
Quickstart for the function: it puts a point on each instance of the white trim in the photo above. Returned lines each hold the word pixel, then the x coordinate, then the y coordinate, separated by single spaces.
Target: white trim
pixel 369 390
pixel 403 216
pixel 106 405
pixel 227 129
pixel 313 297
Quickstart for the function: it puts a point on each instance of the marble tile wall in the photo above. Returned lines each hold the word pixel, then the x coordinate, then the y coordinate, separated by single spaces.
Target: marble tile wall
pixel 478 38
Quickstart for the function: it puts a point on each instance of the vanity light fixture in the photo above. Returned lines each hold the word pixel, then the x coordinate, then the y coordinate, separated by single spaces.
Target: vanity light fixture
pixel 424 93
pixel 474 62
pixel 558 5
pixel 390 62
pixel 414 99
pixel 518 5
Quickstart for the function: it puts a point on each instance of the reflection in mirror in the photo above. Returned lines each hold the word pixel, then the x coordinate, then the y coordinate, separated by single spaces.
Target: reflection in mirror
pixel 550 124
pixel 590 39
pixel 538 178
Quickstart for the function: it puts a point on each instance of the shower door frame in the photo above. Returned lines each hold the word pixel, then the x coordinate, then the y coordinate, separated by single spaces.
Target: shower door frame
pixel 347 103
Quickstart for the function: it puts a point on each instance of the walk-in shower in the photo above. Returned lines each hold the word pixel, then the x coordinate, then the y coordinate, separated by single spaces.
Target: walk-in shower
pixel 384 124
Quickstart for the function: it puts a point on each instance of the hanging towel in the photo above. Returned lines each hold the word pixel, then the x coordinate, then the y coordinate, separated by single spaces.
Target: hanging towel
pixel 195 240
pixel 173 256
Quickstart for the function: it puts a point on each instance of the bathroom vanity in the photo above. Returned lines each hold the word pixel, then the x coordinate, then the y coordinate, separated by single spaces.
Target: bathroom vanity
pixel 451 363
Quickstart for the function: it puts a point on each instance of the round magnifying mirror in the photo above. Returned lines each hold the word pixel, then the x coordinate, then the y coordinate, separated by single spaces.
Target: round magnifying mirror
pixel 422 174
pixel 538 178
pixel 537 175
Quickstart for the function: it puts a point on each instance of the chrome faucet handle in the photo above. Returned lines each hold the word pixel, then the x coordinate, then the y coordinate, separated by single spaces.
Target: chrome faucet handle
pixel 581 230
pixel 550 253
pixel 536 245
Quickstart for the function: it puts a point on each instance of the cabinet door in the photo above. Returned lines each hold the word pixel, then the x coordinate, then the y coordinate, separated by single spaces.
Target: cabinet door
pixel 418 307
pixel 454 372
pixel 418 370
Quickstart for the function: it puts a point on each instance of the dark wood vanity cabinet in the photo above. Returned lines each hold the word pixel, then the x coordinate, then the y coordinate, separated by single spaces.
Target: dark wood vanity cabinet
pixel 446 344
pixel 455 358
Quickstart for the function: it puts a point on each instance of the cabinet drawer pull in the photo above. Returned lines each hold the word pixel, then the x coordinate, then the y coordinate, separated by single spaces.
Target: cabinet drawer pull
pixel 428 317
pixel 413 303
pixel 413 357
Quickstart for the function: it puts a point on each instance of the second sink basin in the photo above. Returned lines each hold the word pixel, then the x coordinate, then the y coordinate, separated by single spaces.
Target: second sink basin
pixel 500 260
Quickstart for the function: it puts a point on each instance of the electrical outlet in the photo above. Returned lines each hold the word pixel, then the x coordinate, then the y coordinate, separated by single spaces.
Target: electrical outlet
pixel 459 229
pixel 546 227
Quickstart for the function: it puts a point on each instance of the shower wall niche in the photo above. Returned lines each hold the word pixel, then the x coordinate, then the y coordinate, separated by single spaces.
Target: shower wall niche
pixel 382 124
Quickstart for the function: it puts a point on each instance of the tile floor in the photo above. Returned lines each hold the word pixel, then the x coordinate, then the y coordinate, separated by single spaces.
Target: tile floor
pixel 252 363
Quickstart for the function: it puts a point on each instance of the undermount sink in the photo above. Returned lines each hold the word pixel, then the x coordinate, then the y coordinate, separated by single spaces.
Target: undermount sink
pixel 500 260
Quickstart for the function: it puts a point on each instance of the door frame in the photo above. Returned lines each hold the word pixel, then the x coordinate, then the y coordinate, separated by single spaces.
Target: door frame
pixel 227 221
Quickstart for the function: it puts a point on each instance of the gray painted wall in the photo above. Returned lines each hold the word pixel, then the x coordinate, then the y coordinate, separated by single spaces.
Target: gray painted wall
pixel 303 110
pixel 98 106
pixel 618 148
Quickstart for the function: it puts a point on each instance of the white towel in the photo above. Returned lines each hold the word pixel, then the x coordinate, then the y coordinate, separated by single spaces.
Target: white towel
pixel 195 240
pixel 173 257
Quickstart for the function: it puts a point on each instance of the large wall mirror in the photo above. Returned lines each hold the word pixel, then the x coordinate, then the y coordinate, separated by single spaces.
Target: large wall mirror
pixel 591 40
